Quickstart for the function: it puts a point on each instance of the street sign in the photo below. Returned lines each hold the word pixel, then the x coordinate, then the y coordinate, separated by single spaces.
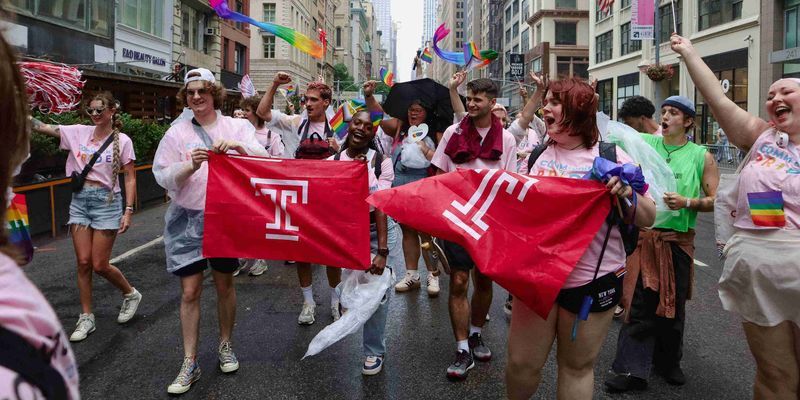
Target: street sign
pixel 642 19
pixel 517 63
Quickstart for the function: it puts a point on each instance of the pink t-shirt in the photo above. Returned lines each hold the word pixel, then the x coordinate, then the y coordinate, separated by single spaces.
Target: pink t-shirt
pixel 271 141
pixel 772 174
pixel 175 154
pixel 556 161
pixel 77 139
pixel 507 161
pixel 25 311
pixel 375 183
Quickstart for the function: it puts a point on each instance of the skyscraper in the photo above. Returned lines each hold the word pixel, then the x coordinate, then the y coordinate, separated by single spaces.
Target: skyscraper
pixel 383 15
pixel 429 20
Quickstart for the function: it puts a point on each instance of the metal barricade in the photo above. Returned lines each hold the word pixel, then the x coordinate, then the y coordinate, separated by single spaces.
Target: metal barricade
pixel 728 157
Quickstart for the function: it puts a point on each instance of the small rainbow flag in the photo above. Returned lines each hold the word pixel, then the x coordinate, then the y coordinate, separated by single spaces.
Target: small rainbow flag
pixel 337 123
pixel 357 105
pixel 376 117
pixel 426 56
pixel 387 77
pixel 18 225
pixel 290 91
pixel 766 208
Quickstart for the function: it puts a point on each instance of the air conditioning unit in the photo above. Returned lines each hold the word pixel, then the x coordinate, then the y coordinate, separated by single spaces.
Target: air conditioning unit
pixel 212 31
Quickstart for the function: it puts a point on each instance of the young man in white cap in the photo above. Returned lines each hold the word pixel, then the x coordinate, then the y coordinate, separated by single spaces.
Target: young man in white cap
pixel 656 309
pixel 180 167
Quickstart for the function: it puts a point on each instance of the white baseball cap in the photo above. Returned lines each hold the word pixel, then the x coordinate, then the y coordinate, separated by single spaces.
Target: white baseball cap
pixel 203 74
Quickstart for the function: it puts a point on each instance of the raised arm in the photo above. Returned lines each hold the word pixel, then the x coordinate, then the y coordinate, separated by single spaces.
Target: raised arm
pixel 265 106
pixel 455 100
pixel 45 129
pixel 741 127
pixel 388 125
pixel 528 112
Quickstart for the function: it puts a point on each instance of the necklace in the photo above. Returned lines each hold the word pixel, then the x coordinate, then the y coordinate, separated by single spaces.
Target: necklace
pixel 669 153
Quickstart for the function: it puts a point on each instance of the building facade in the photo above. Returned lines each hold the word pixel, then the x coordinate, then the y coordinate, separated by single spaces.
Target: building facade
pixel 727 34
pixel 235 37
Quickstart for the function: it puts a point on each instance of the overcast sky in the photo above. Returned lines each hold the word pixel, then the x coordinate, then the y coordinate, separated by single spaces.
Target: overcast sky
pixel 408 15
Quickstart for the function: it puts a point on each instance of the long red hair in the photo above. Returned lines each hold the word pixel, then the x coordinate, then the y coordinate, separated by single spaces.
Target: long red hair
pixel 579 108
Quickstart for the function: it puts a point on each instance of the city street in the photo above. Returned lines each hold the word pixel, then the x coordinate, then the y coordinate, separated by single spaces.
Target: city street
pixel 138 360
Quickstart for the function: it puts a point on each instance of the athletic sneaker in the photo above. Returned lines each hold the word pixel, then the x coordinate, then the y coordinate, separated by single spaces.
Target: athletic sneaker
pixel 307 314
pixel 83 328
pixel 372 365
pixel 479 349
pixel 507 308
pixel 189 374
pixel 290 262
pixel 433 285
pixel 336 311
pixel 460 368
pixel 407 283
pixel 227 360
pixel 259 268
pixel 618 312
pixel 130 304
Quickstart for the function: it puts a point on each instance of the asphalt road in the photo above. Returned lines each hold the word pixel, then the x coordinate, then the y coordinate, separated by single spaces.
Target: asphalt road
pixel 138 360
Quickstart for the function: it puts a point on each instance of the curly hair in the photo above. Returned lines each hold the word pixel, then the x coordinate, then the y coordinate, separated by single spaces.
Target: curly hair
pixel 252 104
pixel 216 89
pixel 637 106
pixel 324 90
pixel 579 108
pixel 111 103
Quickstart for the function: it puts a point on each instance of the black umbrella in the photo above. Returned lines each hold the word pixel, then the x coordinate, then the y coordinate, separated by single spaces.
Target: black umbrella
pixel 435 97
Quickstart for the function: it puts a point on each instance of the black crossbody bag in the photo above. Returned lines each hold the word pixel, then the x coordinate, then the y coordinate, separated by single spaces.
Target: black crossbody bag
pixel 79 179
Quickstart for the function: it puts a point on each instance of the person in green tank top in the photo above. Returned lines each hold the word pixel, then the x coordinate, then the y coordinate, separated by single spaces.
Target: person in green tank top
pixel 660 272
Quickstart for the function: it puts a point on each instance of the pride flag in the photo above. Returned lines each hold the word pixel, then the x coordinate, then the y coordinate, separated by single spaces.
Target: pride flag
pixel 290 91
pixel 376 117
pixel 387 77
pixel 19 227
pixel 766 208
pixel 426 56
pixel 337 123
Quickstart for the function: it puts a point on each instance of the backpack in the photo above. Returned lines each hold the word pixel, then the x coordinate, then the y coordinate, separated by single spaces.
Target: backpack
pixel 630 234
pixel 377 160
pixel 314 147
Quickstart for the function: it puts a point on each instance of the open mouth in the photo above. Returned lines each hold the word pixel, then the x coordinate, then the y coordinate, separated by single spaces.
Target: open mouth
pixel 781 111
pixel 549 120
pixel 664 126
pixel 359 135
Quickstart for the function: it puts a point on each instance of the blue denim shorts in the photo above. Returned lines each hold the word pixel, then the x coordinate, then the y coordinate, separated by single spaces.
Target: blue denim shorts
pixel 90 207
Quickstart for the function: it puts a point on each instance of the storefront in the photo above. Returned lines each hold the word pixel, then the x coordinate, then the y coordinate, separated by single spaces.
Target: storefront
pixel 731 71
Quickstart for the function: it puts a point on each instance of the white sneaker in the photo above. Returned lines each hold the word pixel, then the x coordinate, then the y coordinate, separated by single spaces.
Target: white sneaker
pixel 245 264
pixel 189 374
pixel 372 365
pixel 335 312
pixel 130 304
pixel 259 268
pixel 83 328
pixel 307 314
pixel 227 359
pixel 407 283
pixel 433 285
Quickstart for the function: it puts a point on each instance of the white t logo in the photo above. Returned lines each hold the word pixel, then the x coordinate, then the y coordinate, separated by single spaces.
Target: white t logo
pixel 282 192
pixel 478 226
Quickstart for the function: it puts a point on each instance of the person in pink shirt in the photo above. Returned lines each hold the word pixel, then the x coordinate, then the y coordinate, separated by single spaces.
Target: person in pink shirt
pixel 269 139
pixel 479 141
pixel 761 277
pixel 180 167
pixel 31 336
pixel 570 117
pixel 96 214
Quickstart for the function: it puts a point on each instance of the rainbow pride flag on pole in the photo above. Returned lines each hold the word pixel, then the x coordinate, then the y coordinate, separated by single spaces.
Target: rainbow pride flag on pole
pixel 376 117
pixel 766 208
pixel 19 227
pixel 337 123
pixel 387 77
pixel 426 56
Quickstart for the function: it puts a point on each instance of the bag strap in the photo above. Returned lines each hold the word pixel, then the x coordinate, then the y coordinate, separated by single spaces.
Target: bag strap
pixel 96 156
pixel 608 151
pixel 202 134
pixel 32 364
pixel 535 153
pixel 378 161
pixel 602 250
pixel 305 125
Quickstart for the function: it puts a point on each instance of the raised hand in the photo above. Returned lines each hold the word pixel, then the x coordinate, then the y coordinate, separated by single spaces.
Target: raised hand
pixel 369 88
pixel 680 44
pixel 457 79
pixel 281 78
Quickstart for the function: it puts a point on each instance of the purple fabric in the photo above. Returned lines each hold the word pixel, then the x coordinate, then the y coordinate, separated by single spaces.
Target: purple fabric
pixel 628 173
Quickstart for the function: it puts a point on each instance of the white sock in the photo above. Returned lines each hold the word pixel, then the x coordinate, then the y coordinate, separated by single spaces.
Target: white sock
pixel 334 297
pixel 474 329
pixel 463 345
pixel 414 274
pixel 308 295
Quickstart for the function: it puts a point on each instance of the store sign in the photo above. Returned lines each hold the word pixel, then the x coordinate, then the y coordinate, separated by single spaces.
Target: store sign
pixel 642 19
pixel 517 63
pixel 143 57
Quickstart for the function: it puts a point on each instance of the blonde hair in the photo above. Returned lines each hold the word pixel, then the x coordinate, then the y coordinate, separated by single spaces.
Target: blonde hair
pixel 109 102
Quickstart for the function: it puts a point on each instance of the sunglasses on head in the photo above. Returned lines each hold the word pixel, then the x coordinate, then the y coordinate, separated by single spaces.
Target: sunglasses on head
pixel 95 111
pixel 201 91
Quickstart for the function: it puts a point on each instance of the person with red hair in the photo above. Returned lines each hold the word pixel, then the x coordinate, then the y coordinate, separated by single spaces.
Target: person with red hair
pixel 570 118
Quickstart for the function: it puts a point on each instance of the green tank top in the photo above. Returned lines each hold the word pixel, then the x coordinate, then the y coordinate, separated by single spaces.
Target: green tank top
pixel 687 165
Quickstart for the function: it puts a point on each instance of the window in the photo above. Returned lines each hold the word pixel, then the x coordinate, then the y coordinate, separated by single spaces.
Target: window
pixel 791 22
pixel 627 86
pixel 23 6
pixel 508 15
pixel 515 50
pixel 717 12
pixel 77 14
pixel 605 89
pixel 536 65
pixel 525 41
pixel 538 34
pixel 515 30
pixel 626 45
pixel 192 24
pixel 269 12
pixel 338 37
pixel 239 59
pixel 565 4
pixel 600 15
pixel 515 7
pixel 567 67
pixel 730 66
pixel 240 10
pixel 624 4
pixel 666 21
pixel 269 46
pixel 144 15
pixel 225 58
pixel 603 47
pixel 508 35
pixel 525 10
pixel 566 33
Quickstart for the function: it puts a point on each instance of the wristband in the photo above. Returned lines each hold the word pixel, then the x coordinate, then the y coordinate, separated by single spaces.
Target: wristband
pixel 688 203
pixel 129 208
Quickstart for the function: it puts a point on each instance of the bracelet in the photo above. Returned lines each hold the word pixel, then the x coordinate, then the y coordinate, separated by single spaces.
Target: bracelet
pixel 129 208
pixel 688 203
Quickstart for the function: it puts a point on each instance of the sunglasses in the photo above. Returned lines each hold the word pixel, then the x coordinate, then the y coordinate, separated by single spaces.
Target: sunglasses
pixel 191 93
pixel 95 111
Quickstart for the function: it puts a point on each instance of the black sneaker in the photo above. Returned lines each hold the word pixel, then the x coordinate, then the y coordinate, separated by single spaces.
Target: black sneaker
pixel 460 368
pixel 624 382
pixel 674 376
pixel 479 349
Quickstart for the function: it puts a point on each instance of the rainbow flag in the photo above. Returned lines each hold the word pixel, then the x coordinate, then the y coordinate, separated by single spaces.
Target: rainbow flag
pixel 766 208
pixel 337 123
pixel 357 105
pixel 376 117
pixel 18 225
pixel 290 91
pixel 387 77
pixel 426 56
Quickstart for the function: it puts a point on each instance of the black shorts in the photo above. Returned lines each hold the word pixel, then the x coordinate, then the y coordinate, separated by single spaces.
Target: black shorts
pixel 457 256
pixel 606 292
pixel 225 265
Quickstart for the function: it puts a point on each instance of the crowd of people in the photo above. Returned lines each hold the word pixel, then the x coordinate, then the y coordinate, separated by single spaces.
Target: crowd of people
pixel 648 285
